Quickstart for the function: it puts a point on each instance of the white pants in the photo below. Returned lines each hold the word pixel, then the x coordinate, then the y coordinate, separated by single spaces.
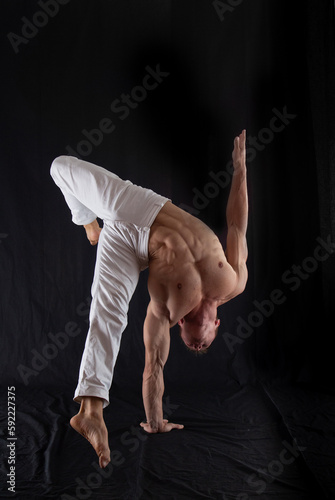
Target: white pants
pixel 128 212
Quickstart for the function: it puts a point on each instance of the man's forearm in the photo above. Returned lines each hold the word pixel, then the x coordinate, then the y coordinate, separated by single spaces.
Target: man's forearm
pixel 153 390
pixel 237 206
pixel 237 214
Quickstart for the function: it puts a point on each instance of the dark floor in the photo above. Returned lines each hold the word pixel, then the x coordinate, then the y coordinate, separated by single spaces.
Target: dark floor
pixel 238 443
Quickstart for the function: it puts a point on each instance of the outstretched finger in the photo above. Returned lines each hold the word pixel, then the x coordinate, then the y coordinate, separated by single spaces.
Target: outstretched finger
pixel 235 151
pixel 175 426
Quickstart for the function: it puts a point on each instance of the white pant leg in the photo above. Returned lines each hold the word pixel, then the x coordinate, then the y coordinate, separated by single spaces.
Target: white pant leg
pixel 128 212
pixel 116 276
pixel 92 191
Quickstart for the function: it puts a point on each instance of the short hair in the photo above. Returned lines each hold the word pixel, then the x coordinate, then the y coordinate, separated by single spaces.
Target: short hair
pixel 200 352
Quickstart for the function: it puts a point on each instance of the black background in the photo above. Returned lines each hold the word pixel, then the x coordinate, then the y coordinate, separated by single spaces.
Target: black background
pixel 238 404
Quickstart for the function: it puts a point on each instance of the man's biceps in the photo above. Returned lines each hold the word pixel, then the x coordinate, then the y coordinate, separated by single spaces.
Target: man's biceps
pixel 232 253
pixel 156 335
pixel 234 233
pixel 242 277
pixel 237 248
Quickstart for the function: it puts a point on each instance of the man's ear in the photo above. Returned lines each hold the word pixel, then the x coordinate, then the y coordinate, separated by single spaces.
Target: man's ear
pixel 181 322
pixel 217 323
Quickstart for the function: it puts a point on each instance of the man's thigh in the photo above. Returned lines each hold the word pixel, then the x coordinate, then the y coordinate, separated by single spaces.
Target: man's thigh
pixel 115 277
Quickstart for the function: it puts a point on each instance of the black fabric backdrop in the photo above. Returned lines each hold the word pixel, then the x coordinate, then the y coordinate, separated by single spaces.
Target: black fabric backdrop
pixel 258 409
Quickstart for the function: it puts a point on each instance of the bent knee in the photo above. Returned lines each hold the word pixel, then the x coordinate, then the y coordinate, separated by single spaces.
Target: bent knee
pixel 59 165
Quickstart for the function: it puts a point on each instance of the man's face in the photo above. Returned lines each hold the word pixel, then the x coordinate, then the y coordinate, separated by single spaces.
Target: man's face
pixel 198 337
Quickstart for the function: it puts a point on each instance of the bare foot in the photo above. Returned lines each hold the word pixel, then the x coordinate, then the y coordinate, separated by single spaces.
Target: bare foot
pixel 94 429
pixel 93 231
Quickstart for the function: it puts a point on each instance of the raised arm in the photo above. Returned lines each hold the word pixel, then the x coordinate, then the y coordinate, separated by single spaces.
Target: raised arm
pixel 237 215
pixel 157 345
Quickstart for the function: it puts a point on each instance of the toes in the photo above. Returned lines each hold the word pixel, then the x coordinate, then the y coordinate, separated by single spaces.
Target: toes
pixel 96 434
pixel 103 462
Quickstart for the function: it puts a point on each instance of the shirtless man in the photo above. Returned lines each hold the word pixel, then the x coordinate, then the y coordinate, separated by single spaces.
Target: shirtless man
pixel 189 277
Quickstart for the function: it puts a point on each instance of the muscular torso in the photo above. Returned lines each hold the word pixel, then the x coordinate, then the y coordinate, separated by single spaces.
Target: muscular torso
pixel 186 264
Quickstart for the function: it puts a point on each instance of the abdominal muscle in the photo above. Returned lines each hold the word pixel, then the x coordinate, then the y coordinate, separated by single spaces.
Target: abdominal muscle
pixel 186 264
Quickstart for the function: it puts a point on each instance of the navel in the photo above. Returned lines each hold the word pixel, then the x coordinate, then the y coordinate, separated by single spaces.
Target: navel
pixel 220 264
pixel 179 286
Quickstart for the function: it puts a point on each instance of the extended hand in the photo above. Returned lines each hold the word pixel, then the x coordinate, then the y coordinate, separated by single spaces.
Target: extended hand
pixel 239 152
pixel 165 427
